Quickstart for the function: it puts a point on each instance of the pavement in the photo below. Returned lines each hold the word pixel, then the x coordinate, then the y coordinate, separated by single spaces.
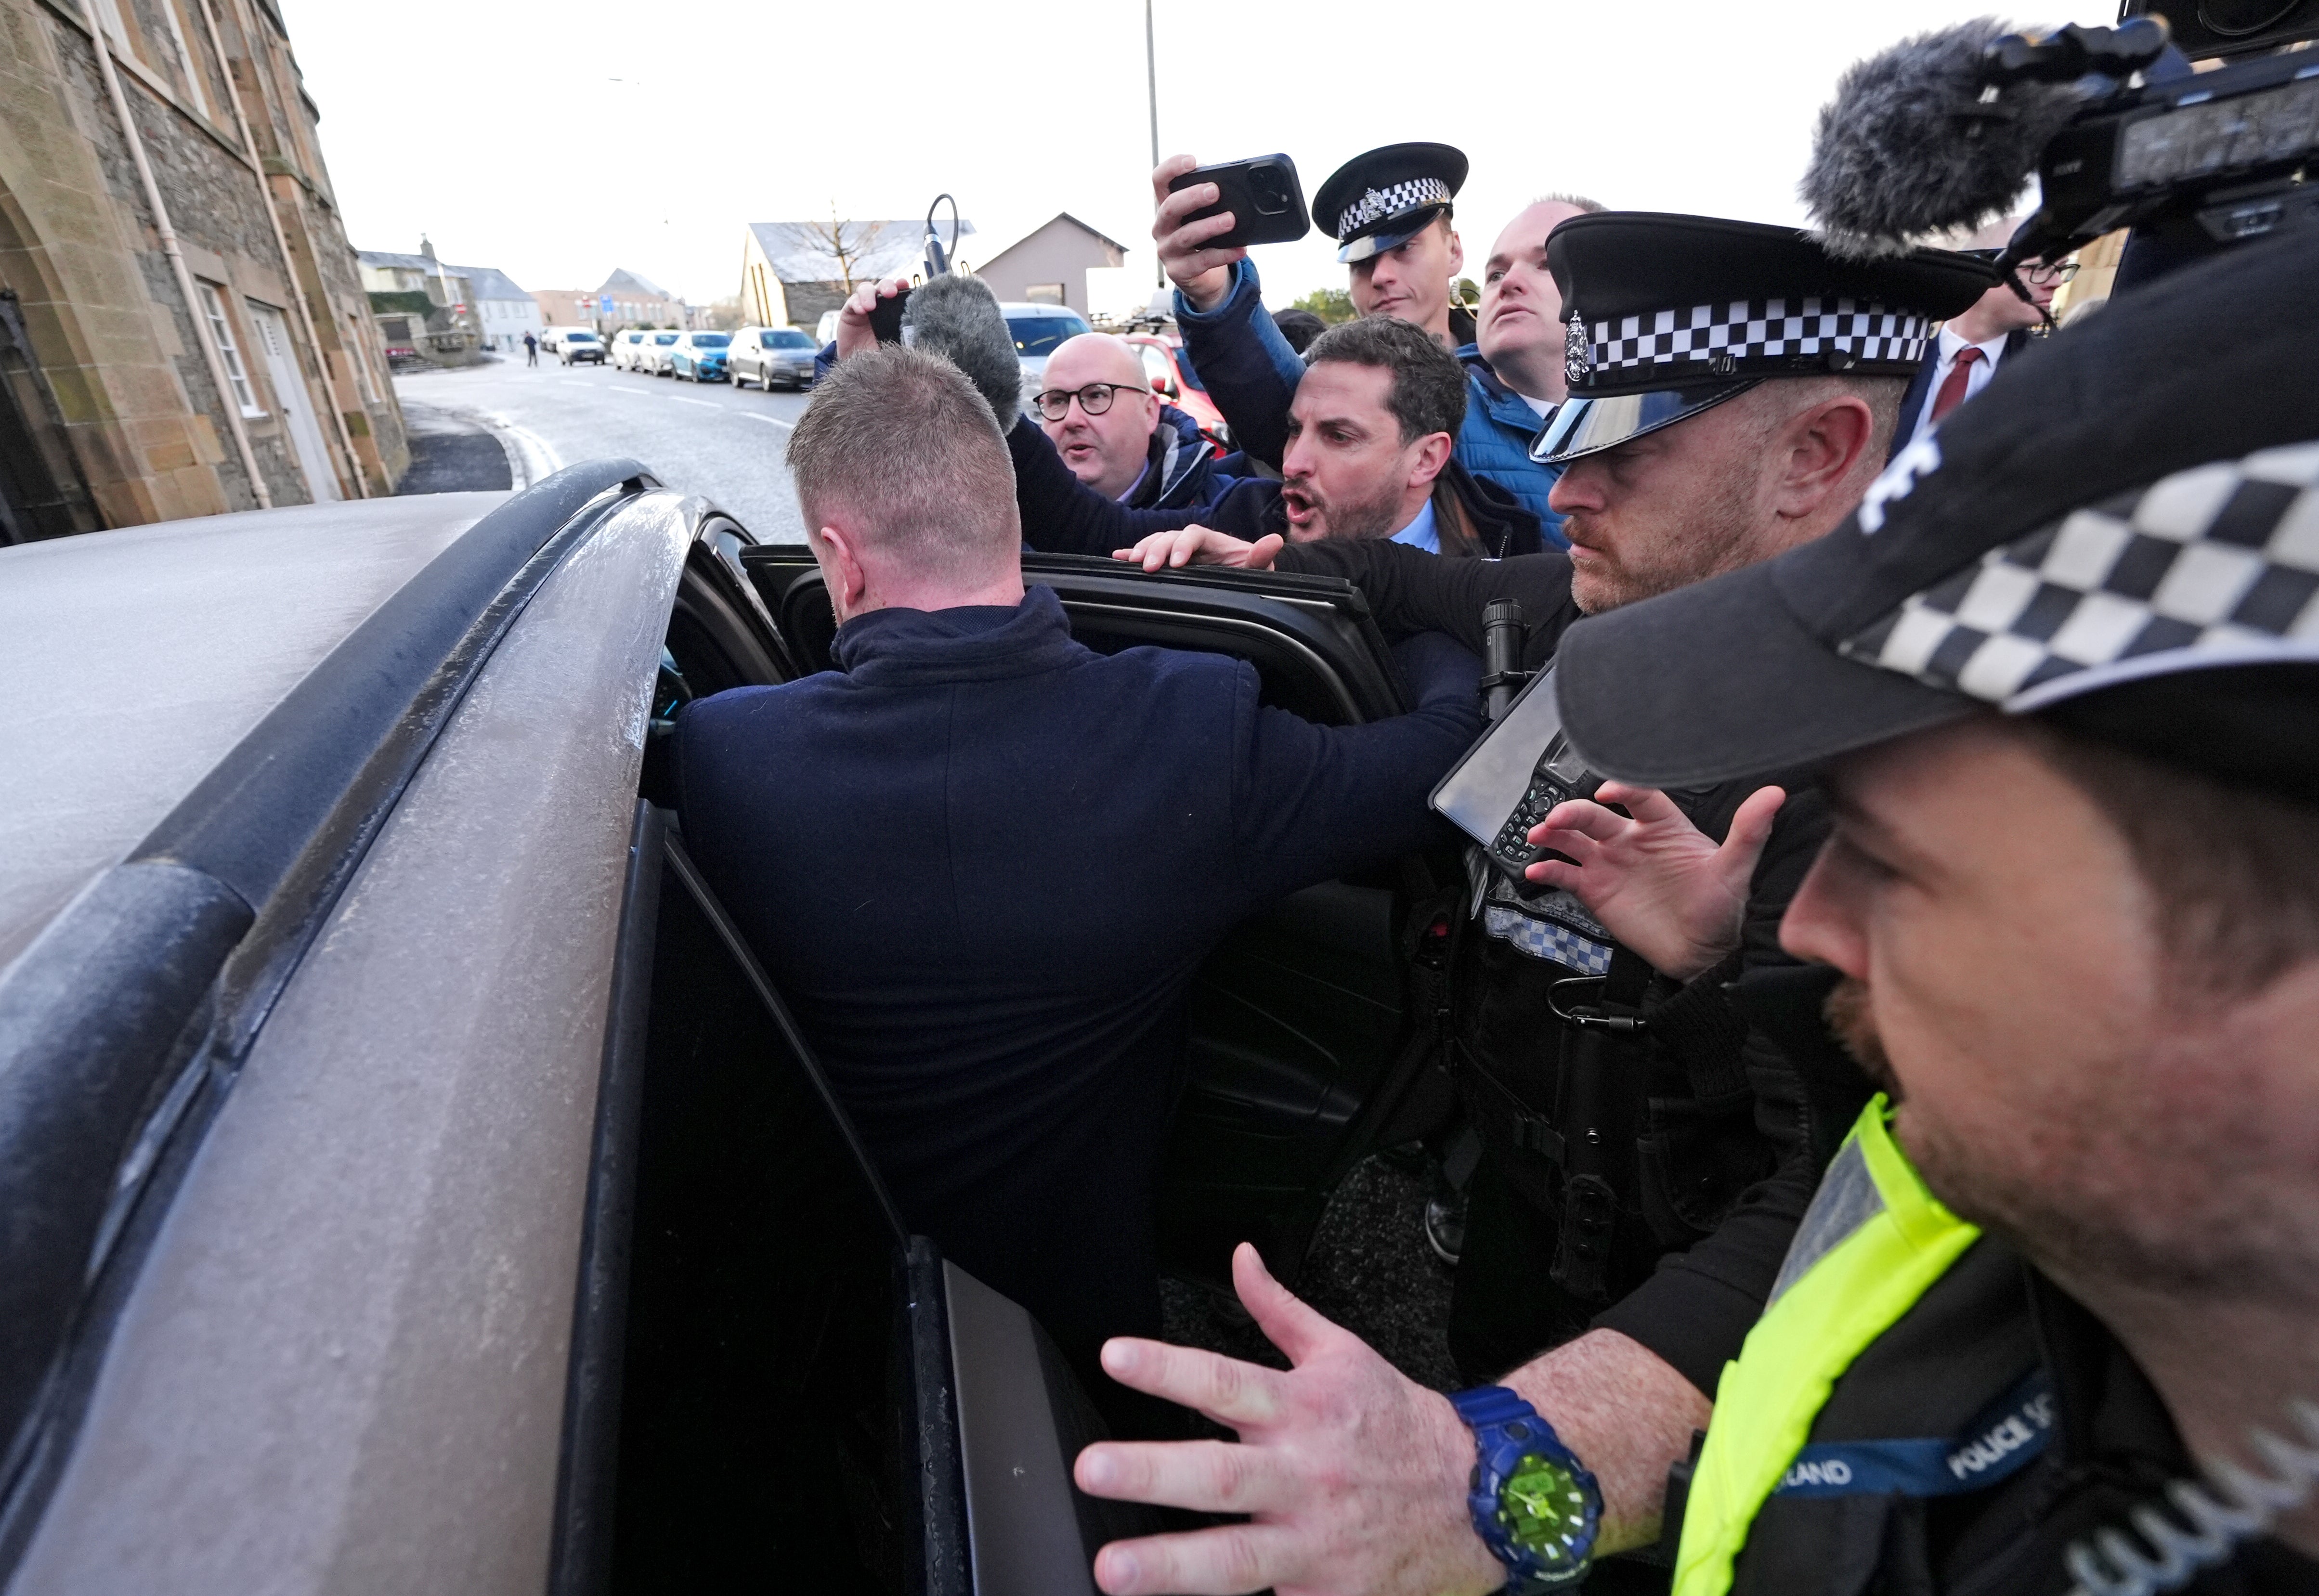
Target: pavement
pixel 1369 1271
pixel 708 438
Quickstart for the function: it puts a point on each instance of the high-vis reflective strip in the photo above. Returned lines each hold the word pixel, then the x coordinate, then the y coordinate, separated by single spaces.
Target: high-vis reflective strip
pixel 1993 1448
pixel 1872 1242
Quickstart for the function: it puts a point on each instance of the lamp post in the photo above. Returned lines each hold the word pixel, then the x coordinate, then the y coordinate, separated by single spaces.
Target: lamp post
pixel 1152 91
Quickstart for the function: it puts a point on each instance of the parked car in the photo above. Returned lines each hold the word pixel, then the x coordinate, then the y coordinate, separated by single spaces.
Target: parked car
pixel 1169 369
pixel 699 356
pixel 579 346
pixel 1039 329
pixel 825 330
pixel 626 346
pixel 652 354
pixel 772 357
pixel 433 1192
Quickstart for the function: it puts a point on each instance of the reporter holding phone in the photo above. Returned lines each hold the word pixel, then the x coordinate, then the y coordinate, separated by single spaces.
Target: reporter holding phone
pixel 1391 213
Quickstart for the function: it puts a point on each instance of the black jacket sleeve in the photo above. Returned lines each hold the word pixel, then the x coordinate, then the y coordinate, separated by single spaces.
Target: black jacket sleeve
pixel 1063 516
pixel 1697 1309
pixel 1315 801
pixel 1409 590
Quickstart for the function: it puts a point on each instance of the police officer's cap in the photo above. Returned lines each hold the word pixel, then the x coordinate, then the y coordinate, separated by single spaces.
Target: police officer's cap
pixel 1380 200
pixel 2120 534
pixel 1667 315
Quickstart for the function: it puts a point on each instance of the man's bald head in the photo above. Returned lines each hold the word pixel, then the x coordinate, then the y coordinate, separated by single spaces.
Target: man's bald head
pixel 1107 452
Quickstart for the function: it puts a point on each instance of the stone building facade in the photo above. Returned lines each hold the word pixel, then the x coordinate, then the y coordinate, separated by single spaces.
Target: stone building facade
pixel 137 384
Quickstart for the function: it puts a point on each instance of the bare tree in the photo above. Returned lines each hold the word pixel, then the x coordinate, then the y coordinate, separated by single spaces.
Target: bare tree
pixel 842 244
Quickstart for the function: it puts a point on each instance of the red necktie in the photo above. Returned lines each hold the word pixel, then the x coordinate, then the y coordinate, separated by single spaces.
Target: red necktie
pixel 1960 378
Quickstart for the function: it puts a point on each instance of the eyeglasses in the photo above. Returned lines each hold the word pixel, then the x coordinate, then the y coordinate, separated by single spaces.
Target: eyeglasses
pixel 1095 399
pixel 2039 272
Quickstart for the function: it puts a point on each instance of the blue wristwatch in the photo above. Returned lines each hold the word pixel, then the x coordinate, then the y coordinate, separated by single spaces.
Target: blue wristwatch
pixel 1534 1504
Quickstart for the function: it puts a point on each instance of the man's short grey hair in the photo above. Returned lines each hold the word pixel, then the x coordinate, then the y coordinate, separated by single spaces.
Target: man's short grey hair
pixel 901 440
pixel 1575 201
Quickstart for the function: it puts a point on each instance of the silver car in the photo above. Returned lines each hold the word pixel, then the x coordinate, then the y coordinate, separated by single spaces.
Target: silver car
pixel 1039 330
pixel 772 357
pixel 412 1180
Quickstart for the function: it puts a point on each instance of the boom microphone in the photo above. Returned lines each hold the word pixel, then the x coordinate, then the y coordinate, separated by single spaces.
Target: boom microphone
pixel 957 317
pixel 1917 141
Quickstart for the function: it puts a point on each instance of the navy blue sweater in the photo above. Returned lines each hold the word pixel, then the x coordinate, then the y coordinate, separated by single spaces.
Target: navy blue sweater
pixel 983 863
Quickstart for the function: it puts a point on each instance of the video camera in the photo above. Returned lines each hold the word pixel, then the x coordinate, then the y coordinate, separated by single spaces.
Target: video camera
pixel 2192 160
pixel 2119 127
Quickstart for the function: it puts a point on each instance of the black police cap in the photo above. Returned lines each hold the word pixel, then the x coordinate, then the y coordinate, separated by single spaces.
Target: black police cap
pixel 1667 315
pixel 1382 198
pixel 2120 534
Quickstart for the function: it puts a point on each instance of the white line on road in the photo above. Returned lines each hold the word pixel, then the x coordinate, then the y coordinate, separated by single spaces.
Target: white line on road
pixel 703 403
pixel 773 422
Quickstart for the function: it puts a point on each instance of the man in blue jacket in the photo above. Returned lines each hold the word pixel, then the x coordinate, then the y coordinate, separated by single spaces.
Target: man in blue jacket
pixel 1390 209
pixel 983 861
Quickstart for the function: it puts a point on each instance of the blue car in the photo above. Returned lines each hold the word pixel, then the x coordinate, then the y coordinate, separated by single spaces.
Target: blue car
pixel 700 355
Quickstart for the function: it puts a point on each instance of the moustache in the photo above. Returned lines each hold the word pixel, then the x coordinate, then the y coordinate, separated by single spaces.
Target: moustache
pixel 1851 1014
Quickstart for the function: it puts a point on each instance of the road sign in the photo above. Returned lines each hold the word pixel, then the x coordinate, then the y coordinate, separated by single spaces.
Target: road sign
pixel 605 304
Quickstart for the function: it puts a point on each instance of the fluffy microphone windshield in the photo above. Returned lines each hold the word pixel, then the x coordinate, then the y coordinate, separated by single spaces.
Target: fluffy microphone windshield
pixel 1910 147
pixel 959 319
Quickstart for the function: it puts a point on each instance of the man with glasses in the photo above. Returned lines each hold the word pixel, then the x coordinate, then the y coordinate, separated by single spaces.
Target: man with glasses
pixel 1118 437
pixel 1970 347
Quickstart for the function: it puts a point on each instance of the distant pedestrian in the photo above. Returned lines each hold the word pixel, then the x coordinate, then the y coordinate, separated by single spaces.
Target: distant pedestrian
pixel 530 350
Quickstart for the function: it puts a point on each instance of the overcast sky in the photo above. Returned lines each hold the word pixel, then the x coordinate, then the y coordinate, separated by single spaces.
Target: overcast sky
pixel 557 140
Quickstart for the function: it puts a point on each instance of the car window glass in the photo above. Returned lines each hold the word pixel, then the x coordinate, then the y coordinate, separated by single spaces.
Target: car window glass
pixel 1040 335
pixel 1155 363
pixel 788 338
pixel 709 340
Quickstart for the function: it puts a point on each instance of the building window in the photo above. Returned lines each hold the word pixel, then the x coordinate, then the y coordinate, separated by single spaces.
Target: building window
pixel 231 353
pixel 1045 294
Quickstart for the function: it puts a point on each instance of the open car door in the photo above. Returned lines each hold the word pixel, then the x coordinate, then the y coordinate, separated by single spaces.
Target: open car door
pixel 1312 1025
pixel 773 1383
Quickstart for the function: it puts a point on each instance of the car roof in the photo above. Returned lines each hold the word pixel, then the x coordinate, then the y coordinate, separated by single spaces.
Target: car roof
pixel 1032 308
pixel 153 650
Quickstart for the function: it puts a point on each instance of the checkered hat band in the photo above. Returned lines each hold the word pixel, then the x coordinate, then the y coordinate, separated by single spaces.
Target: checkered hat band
pixel 1746 330
pixel 2222 561
pixel 1380 202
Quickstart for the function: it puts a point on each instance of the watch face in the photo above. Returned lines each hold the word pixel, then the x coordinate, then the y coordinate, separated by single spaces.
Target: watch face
pixel 1544 1509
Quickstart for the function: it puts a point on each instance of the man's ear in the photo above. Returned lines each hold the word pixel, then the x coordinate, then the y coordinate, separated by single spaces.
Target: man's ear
pixel 1820 447
pixel 1433 457
pixel 841 571
pixel 1457 258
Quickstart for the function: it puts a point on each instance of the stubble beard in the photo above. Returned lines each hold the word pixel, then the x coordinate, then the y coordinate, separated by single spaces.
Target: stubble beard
pixel 1658 555
pixel 1354 520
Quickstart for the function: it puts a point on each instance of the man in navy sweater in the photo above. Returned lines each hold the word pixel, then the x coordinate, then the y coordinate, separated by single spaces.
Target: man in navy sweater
pixel 983 861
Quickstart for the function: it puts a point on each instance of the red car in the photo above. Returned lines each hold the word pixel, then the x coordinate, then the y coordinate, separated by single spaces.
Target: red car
pixel 1174 380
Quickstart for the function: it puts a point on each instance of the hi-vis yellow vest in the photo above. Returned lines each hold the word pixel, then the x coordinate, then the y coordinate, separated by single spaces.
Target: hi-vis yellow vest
pixel 1872 1242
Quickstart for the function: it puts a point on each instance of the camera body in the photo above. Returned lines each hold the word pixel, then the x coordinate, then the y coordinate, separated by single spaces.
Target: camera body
pixel 2194 161
pixel 2209 28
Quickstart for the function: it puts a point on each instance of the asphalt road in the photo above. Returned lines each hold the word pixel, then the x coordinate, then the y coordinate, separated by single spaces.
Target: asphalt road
pixel 702 438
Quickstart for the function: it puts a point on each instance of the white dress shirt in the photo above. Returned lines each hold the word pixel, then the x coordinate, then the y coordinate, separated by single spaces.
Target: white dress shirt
pixel 1951 345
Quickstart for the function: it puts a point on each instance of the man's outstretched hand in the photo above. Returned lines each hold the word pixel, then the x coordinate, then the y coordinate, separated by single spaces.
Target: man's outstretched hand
pixel 1355 1477
pixel 1656 882
pixel 1201 546
pixel 855 333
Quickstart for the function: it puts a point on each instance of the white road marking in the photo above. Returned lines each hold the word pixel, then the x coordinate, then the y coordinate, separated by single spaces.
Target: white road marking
pixel 773 422
pixel 703 403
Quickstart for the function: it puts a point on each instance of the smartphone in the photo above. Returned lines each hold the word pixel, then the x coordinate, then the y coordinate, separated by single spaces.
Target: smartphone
pixel 886 317
pixel 1261 194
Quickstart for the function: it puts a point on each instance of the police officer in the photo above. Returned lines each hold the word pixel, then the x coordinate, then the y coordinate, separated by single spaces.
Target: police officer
pixel 1391 211
pixel 1733 390
pixel 2063 664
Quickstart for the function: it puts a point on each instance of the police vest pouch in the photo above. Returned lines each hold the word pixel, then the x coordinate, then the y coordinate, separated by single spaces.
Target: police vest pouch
pixel 1512 777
